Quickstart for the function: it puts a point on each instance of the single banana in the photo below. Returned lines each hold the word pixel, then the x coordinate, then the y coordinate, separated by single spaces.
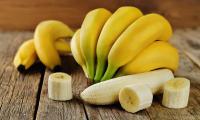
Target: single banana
pixel 26 55
pixel 106 92
pixel 158 55
pixel 60 86
pixel 89 33
pixel 176 93
pixel 112 29
pixel 46 33
pixel 134 39
pixel 76 51
pixel 135 98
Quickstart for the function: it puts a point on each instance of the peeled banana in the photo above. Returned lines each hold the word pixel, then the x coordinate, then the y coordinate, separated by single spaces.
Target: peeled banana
pixel 112 29
pixel 46 33
pixel 60 86
pixel 134 39
pixel 158 55
pixel 89 33
pixel 176 93
pixel 76 51
pixel 134 98
pixel 106 92
pixel 26 55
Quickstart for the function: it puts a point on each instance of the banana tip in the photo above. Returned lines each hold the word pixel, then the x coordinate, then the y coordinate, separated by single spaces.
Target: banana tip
pixel 21 68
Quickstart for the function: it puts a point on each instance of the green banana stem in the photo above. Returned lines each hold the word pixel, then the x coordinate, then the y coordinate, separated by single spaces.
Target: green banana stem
pixel 109 72
pixel 99 70
pixel 90 70
pixel 85 70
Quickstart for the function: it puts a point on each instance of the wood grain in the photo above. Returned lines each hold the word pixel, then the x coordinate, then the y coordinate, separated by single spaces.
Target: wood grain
pixel 26 14
pixel 18 92
pixel 68 110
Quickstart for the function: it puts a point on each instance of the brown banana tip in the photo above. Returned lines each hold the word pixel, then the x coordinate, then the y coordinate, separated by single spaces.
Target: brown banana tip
pixel 21 68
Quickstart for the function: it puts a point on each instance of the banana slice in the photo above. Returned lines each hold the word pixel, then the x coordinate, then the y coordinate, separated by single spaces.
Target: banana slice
pixel 135 98
pixel 60 86
pixel 176 93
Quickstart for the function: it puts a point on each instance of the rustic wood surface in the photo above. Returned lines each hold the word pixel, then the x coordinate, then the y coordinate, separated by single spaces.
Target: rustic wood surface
pixel 26 14
pixel 25 97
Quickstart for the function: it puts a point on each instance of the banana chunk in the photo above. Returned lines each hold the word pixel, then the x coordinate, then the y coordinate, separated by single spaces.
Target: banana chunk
pixel 176 93
pixel 60 86
pixel 135 98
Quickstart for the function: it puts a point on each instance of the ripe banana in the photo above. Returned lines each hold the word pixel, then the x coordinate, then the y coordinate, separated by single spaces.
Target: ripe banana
pixel 158 55
pixel 89 33
pixel 76 51
pixel 60 86
pixel 135 98
pixel 176 93
pixel 112 29
pixel 46 33
pixel 26 55
pixel 134 39
pixel 106 92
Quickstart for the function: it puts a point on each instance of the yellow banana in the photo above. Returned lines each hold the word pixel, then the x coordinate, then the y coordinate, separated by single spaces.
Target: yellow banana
pixel 158 55
pixel 134 39
pixel 112 29
pixel 26 54
pixel 62 46
pixel 76 51
pixel 46 33
pixel 89 33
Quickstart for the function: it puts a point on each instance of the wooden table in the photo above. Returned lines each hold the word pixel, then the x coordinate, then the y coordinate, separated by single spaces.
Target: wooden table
pixel 24 96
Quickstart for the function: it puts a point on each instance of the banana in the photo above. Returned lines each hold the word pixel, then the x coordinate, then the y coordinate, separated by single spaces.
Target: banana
pixel 134 39
pixel 89 33
pixel 63 47
pixel 112 29
pixel 76 51
pixel 176 93
pixel 46 33
pixel 60 86
pixel 106 92
pixel 135 98
pixel 26 55
pixel 158 55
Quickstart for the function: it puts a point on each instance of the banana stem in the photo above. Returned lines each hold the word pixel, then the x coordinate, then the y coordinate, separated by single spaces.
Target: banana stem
pixel 99 71
pixel 90 69
pixel 109 72
pixel 85 70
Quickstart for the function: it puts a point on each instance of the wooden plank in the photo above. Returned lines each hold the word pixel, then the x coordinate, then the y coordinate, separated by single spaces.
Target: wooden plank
pixel 68 110
pixel 25 14
pixel 18 92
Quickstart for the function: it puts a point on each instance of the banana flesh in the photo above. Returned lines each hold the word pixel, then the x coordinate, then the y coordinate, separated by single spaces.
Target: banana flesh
pixel 134 98
pixel 134 39
pixel 176 93
pixel 106 92
pixel 89 33
pixel 60 86
pixel 158 55
pixel 112 29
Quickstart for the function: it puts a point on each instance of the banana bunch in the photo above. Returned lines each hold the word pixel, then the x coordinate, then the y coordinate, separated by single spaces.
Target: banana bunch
pixel 47 45
pixel 125 42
